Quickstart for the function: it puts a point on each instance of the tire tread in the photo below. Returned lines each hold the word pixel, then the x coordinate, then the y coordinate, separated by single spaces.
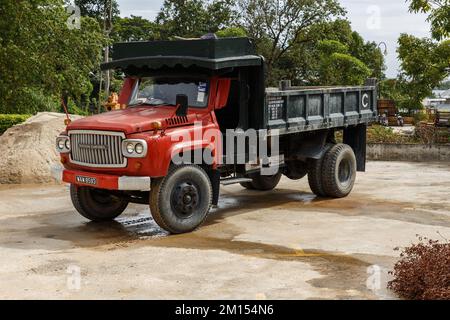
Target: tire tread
pixel 315 173
pixel 329 183
pixel 155 196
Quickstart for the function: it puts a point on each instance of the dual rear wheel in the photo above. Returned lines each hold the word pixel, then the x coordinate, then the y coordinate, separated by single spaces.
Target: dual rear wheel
pixel 334 174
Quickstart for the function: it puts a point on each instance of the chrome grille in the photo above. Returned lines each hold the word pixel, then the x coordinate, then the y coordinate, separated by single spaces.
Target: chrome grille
pixel 100 149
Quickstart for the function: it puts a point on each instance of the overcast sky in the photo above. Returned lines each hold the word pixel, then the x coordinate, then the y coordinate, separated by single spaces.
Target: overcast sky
pixel 380 21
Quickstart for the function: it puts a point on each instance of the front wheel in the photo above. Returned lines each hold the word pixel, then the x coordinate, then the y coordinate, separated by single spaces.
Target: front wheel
pixel 180 202
pixel 95 204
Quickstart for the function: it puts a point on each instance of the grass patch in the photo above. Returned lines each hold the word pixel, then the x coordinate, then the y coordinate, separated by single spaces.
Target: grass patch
pixel 9 120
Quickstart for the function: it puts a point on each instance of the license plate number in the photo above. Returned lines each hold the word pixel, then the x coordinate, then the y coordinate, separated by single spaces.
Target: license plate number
pixel 86 180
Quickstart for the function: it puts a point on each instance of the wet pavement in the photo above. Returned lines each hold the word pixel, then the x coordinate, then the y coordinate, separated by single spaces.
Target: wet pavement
pixel 284 244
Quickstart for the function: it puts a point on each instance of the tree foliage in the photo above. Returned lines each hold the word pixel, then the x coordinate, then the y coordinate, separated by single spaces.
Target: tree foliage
pixel 439 15
pixel 96 8
pixel 307 62
pixel 194 18
pixel 338 67
pixel 425 64
pixel 133 29
pixel 42 59
pixel 279 25
pixel 232 32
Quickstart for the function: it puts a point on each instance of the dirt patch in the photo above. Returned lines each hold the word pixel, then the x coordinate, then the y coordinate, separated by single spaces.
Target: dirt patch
pixel 27 151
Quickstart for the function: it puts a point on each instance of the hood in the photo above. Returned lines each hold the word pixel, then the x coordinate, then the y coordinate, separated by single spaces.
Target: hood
pixel 130 120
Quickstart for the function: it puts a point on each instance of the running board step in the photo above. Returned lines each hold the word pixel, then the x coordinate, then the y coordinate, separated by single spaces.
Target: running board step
pixel 230 181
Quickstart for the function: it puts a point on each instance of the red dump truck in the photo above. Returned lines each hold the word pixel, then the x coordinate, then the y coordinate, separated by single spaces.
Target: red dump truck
pixel 197 115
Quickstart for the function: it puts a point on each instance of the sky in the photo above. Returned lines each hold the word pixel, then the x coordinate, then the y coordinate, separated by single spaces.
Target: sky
pixel 379 21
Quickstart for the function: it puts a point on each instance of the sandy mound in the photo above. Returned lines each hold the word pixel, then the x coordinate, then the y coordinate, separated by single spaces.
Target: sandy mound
pixel 27 151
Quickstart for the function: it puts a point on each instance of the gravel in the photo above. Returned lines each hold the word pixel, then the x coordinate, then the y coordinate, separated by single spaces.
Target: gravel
pixel 27 151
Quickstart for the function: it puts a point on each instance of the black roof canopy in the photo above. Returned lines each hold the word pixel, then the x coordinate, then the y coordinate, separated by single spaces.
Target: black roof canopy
pixel 208 54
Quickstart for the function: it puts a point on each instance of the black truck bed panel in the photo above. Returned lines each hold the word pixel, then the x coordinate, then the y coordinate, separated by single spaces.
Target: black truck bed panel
pixel 315 108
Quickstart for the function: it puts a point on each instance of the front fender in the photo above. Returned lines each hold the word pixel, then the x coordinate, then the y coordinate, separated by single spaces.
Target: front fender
pixel 187 146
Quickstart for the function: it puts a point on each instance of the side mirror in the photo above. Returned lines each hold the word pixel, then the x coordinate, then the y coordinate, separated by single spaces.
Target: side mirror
pixel 182 105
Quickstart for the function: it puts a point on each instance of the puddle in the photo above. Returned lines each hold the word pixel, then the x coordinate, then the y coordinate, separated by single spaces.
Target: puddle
pixel 67 230
pixel 340 271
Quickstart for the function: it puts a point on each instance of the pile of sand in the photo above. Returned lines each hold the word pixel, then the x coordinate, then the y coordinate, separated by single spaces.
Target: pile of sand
pixel 27 151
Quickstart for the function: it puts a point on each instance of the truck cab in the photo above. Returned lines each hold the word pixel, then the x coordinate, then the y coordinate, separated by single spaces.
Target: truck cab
pixel 197 116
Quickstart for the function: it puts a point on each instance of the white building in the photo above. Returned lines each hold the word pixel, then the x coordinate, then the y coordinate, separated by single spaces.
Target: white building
pixel 443 94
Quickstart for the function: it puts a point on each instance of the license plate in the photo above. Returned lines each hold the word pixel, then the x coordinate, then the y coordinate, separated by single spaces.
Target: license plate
pixel 86 180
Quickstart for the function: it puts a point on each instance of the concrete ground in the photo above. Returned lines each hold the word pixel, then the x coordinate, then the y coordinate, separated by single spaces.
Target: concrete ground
pixel 285 244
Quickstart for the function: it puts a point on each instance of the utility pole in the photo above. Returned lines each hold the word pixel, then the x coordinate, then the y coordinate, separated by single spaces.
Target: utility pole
pixel 107 29
pixel 105 83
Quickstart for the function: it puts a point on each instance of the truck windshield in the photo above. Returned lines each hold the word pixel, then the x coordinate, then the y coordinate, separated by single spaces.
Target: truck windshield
pixel 163 91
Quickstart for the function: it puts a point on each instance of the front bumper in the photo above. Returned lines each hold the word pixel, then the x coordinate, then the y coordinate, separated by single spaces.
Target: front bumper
pixel 102 181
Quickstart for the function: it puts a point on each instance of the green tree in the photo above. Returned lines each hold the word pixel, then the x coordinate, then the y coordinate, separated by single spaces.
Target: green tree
pixel 279 25
pixel 96 8
pixel 232 32
pixel 439 15
pixel 194 18
pixel 133 29
pixel 41 58
pixel 367 52
pixel 392 89
pixel 304 61
pixel 338 67
pixel 425 64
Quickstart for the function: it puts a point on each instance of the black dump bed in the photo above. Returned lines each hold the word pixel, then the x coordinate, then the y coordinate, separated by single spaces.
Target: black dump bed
pixel 299 109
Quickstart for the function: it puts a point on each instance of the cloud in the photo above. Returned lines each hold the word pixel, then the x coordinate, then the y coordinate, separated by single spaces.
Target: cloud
pixel 394 19
pixel 145 8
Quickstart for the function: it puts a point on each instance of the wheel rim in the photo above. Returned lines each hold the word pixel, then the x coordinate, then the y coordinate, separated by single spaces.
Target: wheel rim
pixel 345 172
pixel 185 199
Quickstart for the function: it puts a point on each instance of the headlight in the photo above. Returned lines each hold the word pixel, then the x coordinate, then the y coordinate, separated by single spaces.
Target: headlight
pixel 130 148
pixel 63 144
pixel 139 148
pixel 134 148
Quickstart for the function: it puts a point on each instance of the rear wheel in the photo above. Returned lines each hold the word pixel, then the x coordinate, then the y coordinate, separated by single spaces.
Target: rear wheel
pixel 339 173
pixel 262 183
pixel 296 169
pixel 315 172
pixel 180 202
pixel 95 204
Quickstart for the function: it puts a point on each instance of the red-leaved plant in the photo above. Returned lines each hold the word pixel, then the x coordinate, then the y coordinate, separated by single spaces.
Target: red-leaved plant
pixel 423 272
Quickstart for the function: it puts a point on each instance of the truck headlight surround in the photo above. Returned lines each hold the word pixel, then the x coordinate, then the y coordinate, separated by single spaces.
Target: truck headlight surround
pixel 63 144
pixel 134 148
